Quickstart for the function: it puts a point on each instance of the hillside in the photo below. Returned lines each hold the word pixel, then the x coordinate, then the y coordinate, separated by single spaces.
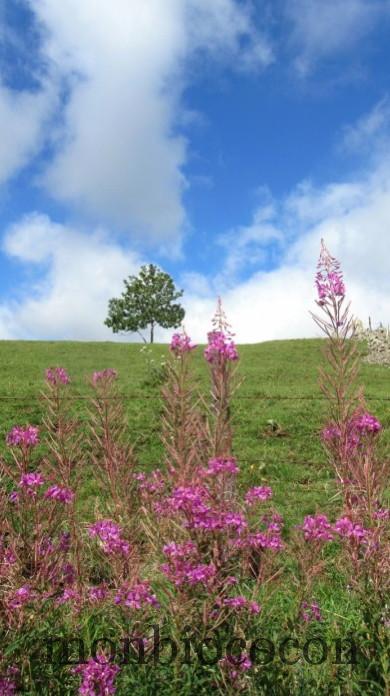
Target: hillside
pixel 279 384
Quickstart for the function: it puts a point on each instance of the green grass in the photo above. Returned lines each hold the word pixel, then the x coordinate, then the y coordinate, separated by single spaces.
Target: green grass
pixel 279 383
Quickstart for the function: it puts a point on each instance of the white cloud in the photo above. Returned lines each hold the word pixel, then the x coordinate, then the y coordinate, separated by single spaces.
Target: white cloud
pixel 322 28
pixel 81 273
pixel 118 156
pixel 370 132
pixel 22 119
pixel 354 219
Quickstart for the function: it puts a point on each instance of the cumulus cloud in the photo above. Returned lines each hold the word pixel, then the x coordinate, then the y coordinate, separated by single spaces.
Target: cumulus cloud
pixel 78 275
pixel 118 154
pixel 352 216
pixel 322 29
pixel 370 134
pixel 22 119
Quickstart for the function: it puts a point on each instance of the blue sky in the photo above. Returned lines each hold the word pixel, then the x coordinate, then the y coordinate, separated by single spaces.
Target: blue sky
pixel 220 140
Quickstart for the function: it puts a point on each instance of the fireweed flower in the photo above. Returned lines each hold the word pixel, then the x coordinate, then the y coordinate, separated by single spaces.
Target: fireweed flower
pixel 270 539
pixel 109 535
pixel 258 494
pixel 220 346
pixel 180 344
pixel 67 574
pixel 347 529
pixel 310 612
pixel 68 595
pixel 330 432
pixel 32 480
pixel 107 375
pixel 19 436
pixel 64 495
pixel 97 593
pixel 183 565
pixel 381 514
pixel 329 279
pixel 136 596
pixel 367 423
pixel 240 602
pixel 181 572
pixel 21 597
pixel 8 685
pixel 193 503
pixel 234 666
pixel 64 542
pixel 220 466
pixel 57 375
pixel 316 528
pixel 151 483
pixel 97 677
pixel 173 550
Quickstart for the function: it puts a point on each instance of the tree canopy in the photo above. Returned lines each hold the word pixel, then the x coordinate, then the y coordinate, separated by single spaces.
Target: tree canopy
pixel 147 301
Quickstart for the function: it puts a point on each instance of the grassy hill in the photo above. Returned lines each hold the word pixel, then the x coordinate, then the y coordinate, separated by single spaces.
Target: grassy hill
pixel 279 384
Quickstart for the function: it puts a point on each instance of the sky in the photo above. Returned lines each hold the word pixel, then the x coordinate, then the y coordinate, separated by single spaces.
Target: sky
pixel 219 140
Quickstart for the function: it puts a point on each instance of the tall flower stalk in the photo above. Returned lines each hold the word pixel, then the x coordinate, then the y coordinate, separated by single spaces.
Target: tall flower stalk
pixel 350 435
pixel 221 354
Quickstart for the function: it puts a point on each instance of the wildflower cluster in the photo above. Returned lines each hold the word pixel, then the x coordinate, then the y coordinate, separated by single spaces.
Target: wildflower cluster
pixel 97 677
pixel 329 279
pixel 57 376
pixel 181 343
pixel 23 437
pixel 110 536
pixel 104 375
pixel 220 346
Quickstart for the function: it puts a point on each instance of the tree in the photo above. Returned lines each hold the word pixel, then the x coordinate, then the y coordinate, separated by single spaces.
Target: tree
pixel 148 300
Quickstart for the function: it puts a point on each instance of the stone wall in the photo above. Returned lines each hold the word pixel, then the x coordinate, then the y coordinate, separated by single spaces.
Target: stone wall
pixel 378 342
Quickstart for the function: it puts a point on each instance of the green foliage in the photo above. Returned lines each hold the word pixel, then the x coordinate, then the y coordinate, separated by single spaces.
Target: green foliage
pixel 147 301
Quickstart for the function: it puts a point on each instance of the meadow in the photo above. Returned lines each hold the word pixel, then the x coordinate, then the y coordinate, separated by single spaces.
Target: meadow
pixel 184 519
pixel 279 383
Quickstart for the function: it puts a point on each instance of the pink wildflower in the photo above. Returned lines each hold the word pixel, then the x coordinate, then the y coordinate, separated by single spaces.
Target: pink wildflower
pixel 317 528
pixel 234 666
pixel 68 595
pixel 107 375
pixel 367 423
pixel 310 612
pixel 57 375
pixel 221 466
pixel 180 344
pixel 109 534
pixel 219 346
pixel 346 529
pixel 21 597
pixel 27 437
pixel 136 596
pixel 64 495
pixel 31 480
pixel 258 493
pixel 173 550
pixel 151 483
pixel 381 514
pixel 97 593
pixel 97 677
pixel 240 602
pixel 329 279
pixel 8 685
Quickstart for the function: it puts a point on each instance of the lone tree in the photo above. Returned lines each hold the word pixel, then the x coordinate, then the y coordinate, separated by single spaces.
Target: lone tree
pixel 148 300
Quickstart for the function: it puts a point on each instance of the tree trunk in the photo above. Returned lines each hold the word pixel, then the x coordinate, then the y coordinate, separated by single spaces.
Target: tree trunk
pixel 152 332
